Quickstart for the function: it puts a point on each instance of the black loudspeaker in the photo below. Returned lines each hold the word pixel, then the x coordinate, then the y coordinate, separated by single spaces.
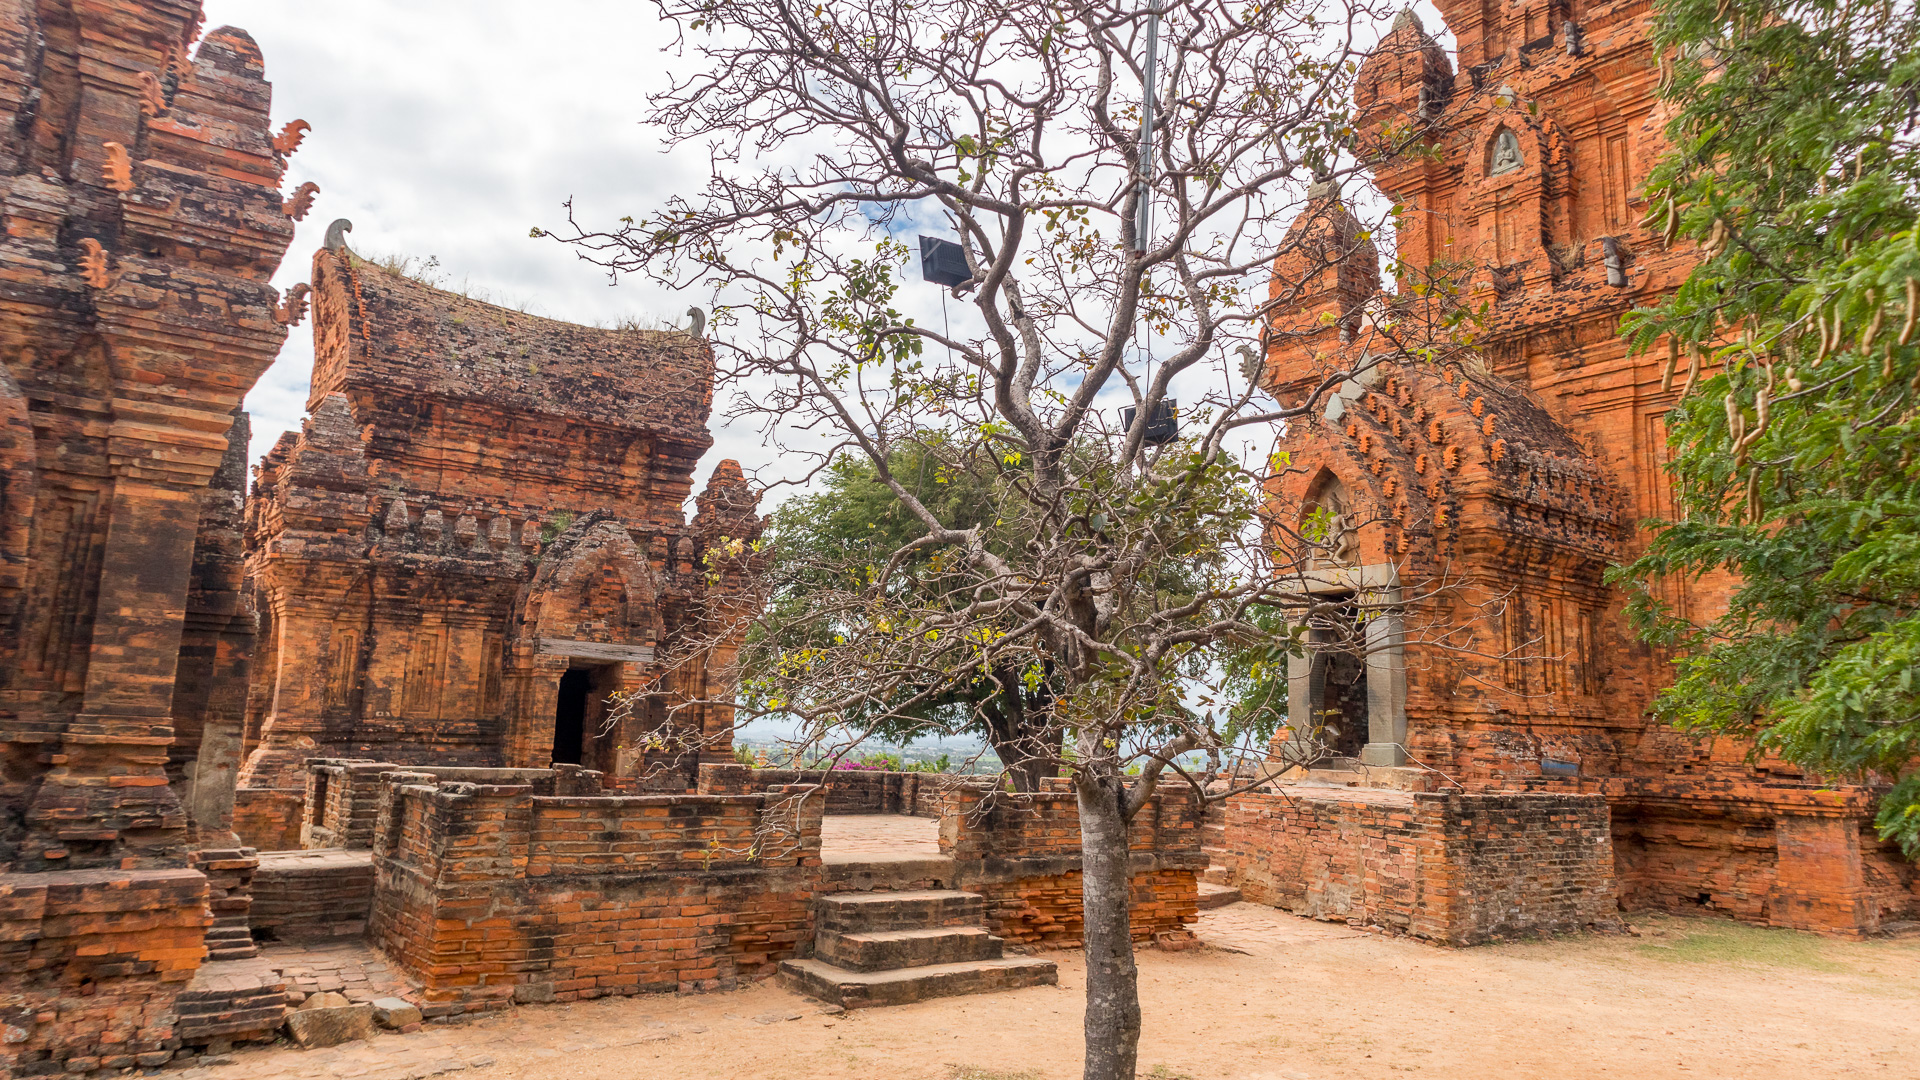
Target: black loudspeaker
pixel 1162 427
pixel 943 263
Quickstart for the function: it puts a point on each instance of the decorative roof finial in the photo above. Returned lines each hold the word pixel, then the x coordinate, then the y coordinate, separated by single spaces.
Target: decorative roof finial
pixel 289 138
pixel 300 201
pixel 337 234
pixel 697 329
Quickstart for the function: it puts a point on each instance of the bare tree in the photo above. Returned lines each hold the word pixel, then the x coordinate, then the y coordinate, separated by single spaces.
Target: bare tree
pixel 1122 561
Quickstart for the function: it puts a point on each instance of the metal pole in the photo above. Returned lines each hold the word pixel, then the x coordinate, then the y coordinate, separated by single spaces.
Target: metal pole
pixel 1143 208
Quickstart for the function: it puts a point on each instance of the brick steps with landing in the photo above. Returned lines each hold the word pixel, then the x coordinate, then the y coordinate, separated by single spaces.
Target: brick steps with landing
pixel 865 989
pixel 1217 895
pixel 891 948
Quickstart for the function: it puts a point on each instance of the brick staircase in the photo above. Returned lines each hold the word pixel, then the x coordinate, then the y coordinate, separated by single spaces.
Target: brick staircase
pixel 891 948
pixel 1216 883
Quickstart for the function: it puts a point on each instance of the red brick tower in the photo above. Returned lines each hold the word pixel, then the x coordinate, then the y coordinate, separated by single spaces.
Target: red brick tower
pixel 1514 470
pixel 144 217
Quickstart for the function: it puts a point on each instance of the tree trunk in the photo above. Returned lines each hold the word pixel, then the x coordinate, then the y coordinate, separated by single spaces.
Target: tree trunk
pixel 1023 736
pixel 1113 984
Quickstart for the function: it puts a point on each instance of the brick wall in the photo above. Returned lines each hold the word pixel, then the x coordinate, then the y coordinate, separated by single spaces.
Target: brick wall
pixel 489 893
pixel 91 962
pixel 343 795
pixel 848 791
pixel 1023 854
pixel 312 895
pixel 1455 868
pixel 269 819
pixel 1803 860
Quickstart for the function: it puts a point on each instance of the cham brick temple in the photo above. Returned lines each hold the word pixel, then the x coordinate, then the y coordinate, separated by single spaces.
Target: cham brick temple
pixel 450 686
pixel 476 539
pixel 1514 475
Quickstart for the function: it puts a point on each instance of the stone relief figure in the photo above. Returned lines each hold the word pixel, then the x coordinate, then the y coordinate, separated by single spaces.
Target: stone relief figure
pixel 1339 541
pixel 1506 153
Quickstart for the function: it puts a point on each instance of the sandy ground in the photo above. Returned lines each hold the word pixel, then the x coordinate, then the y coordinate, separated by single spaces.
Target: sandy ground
pixel 1270 997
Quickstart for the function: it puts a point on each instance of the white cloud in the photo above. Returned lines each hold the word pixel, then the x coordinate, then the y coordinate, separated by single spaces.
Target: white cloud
pixel 448 128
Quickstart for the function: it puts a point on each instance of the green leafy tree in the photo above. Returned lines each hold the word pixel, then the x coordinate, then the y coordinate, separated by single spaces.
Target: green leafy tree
pixel 1795 170
pixel 842 536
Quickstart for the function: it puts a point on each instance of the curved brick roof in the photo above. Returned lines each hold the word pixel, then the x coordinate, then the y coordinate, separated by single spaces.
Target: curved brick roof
pixel 377 329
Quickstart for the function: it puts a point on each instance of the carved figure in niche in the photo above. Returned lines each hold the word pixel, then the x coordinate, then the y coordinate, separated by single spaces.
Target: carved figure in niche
pixel 1506 153
pixel 1338 539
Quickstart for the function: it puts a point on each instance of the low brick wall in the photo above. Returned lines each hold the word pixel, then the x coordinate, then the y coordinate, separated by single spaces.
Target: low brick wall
pixel 312 895
pixel 491 893
pixel 848 791
pixel 91 963
pixel 269 819
pixel 1455 868
pixel 1022 852
pixel 341 801
pixel 1802 859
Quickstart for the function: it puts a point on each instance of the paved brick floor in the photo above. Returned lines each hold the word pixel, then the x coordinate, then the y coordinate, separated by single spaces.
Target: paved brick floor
pixel 879 834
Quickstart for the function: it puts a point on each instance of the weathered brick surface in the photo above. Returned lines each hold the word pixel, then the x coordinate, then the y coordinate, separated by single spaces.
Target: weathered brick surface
pixel 268 819
pixel 1519 469
pixel 90 964
pixel 1023 854
pixel 1454 868
pixel 488 893
pixel 848 791
pixel 477 501
pixel 312 895
pixel 144 218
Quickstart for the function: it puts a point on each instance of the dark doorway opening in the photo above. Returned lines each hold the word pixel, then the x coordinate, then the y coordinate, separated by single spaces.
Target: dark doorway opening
pixel 1340 707
pixel 570 716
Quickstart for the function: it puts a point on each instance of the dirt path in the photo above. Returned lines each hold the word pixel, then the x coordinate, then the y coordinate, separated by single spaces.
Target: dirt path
pixel 1272 997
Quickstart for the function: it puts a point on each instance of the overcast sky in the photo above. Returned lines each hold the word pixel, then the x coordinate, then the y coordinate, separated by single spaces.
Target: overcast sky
pixel 449 128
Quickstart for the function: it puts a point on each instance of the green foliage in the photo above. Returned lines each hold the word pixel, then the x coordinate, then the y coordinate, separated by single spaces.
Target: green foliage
pixel 1795 169
pixel 839 540
pixel 1255 684
pixel 556 525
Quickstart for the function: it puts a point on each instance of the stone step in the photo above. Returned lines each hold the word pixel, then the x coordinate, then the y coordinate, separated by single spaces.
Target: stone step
pixel 1213 896
pixel 891 950
pixel 1216 875
pixel 917 909
pixel 867 989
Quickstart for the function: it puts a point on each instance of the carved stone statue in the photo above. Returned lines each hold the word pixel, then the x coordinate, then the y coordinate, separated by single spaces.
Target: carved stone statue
pixel 1339 542
pixel 1506 153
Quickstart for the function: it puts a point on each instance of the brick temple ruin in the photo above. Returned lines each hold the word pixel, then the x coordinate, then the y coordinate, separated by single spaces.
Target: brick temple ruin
pixel 449 688
pixel 1520 471
pixel 476 542
pixel 144 217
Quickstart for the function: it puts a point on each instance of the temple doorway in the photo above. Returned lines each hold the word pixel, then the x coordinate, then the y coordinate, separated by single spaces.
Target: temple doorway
pixel 1343 705
pixel 570 716
pixel 580 713
pixel 1340 705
